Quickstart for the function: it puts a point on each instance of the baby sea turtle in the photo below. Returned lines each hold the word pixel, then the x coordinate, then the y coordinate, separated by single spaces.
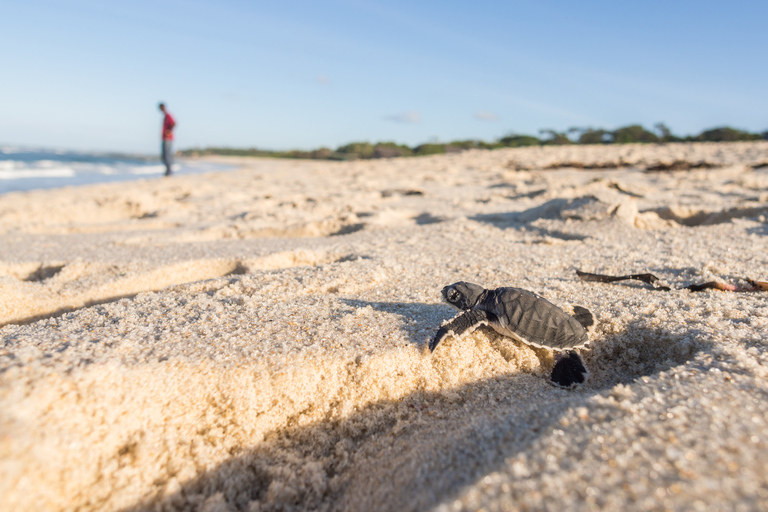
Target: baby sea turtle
pixel 526 317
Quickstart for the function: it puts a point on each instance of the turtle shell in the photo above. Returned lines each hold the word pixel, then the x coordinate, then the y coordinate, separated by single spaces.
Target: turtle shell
pixel 532 319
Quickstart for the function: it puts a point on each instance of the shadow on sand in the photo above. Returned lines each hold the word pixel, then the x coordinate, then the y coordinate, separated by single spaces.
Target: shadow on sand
pixel 419 451
pixel 523 220
pixel 414 315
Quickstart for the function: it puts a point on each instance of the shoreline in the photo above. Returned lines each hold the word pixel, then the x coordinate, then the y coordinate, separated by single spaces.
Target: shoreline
pixel 47 174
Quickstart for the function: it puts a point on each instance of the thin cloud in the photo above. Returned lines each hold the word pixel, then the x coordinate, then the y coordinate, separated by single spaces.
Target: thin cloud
pixel 322 79
pixel 410 117
pixel 485 115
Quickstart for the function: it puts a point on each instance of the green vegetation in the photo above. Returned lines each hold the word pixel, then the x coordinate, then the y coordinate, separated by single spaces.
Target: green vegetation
pixel 554 138
pixel 517 141
pixel 634 133
pixel 591 135
pixel 726 133
pixel 357 150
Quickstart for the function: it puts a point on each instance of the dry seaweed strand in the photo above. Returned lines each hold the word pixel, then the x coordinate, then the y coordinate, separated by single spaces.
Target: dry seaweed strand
pixel 601 278
pixel 754 286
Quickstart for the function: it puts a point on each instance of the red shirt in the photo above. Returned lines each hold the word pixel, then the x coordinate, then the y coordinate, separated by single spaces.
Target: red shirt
pixel 168 124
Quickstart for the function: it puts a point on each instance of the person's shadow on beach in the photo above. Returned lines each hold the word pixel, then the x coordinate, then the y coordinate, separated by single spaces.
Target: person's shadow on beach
pixel 423 449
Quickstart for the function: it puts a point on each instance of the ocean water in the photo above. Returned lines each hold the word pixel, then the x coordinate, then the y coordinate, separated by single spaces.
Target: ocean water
pixel 29 169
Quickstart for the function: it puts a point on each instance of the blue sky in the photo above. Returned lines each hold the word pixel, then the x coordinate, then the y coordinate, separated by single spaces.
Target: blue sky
pixel 87 74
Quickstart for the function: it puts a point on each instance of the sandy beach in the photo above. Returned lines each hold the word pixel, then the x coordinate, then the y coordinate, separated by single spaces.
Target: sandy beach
pixel 256 339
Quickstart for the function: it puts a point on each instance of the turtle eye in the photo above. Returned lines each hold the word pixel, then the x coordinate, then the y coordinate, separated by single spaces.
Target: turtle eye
pixel 453 296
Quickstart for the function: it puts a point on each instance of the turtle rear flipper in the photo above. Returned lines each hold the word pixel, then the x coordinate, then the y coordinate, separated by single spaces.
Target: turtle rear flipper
pixel 584 317
pixel 569 370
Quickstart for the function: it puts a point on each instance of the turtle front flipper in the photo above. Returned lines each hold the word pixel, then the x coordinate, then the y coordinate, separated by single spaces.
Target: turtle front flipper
pixel 464 323
pixel 569 370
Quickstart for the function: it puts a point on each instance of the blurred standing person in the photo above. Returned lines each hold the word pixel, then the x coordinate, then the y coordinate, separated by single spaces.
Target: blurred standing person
pixel 167 149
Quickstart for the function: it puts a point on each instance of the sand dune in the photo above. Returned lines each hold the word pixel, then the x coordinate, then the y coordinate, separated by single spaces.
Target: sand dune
pixel 256 339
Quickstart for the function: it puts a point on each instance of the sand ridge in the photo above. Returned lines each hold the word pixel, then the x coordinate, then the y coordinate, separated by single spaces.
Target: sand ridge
pixel 217 349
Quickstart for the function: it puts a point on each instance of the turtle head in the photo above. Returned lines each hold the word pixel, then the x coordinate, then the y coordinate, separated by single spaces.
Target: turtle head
pixel 463 295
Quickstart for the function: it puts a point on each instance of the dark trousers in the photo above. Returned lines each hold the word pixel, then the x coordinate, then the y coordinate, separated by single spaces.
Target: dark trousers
pixel 167 153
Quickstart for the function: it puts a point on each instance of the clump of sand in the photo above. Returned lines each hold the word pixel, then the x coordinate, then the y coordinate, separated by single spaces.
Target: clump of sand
pixel 256 339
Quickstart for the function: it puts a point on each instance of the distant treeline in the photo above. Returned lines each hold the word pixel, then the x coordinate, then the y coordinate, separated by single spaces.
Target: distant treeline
pixel 625 135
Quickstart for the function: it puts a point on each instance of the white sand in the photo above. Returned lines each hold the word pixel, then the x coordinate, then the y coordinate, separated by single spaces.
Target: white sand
pixel 255 340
